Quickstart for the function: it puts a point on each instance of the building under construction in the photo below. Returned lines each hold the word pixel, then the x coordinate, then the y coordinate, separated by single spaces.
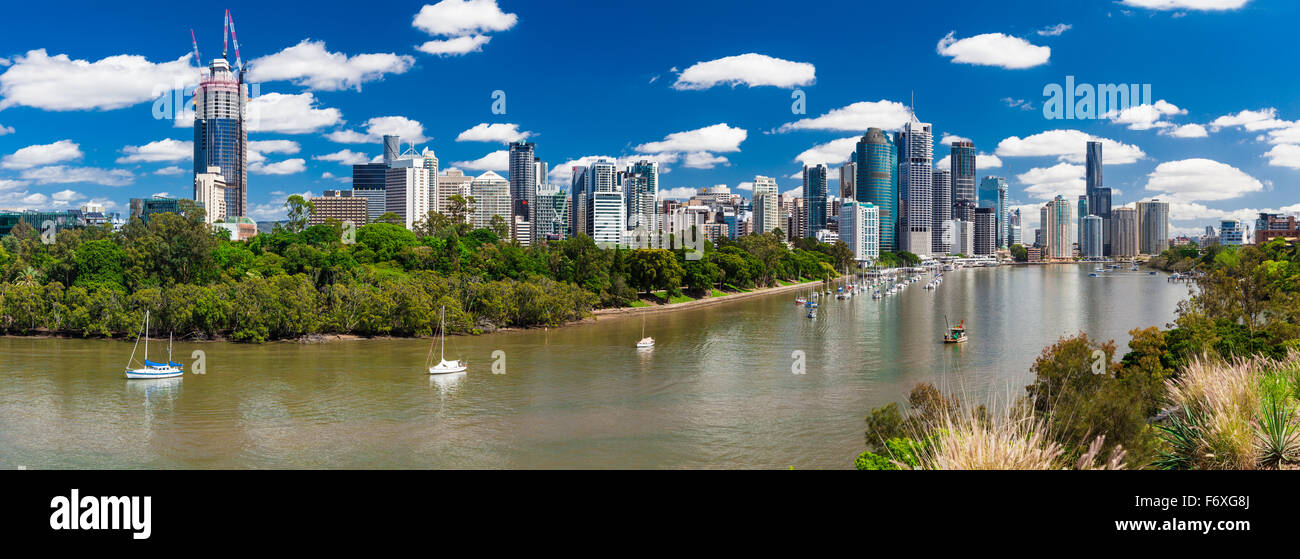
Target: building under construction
pixel 220 133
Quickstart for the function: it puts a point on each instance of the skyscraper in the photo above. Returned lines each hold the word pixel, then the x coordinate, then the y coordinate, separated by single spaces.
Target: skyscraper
pixel 915 186
pixel 986 224
pixel 406 191
pixel 1124 236
pixel 608 210
pixel 993 194
pixel 578 208
pixel 452 183
pixel 877 183
pixel 814 193
pixel 1090 237
pixel 767 211
pixel 1099 197
pixel 1083 213
pixel 941 241
pixel 523 178
pixel 491 198
pixel 642 192
pixel 220 137
pixel 1058 228
pixel 961 160
pixel 849 178
pixel 210 194
pixel 859 228
pixel 369 181
pixel 1153 227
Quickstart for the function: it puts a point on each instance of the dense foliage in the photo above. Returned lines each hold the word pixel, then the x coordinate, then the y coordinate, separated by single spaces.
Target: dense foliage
pixel 380 279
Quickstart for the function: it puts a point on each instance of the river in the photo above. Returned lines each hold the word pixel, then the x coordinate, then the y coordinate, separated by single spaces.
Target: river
pixel 717 391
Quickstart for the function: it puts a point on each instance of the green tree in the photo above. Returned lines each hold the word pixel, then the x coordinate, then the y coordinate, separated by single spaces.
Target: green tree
pixel 299 210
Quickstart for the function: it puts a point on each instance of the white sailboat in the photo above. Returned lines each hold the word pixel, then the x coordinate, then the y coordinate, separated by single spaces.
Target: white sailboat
pixel 444 366
pixel 646 341
pixel 150 369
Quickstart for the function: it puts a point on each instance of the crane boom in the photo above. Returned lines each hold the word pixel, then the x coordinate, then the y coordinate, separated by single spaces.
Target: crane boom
pixel 239 62
pixel 225 32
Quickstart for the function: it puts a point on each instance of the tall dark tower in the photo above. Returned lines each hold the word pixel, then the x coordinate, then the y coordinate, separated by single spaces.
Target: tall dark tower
pixel 1098 196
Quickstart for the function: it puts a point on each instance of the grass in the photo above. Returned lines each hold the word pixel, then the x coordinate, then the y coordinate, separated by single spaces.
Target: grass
pixel 1239 415
pixel 717 293
pixel 663 297
pixel 639 303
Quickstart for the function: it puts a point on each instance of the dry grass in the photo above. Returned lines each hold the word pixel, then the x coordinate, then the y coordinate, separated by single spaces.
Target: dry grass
pixel 1229 396
pixel 1013 440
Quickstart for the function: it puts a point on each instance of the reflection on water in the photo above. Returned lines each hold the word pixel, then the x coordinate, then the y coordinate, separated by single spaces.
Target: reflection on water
pixel 716 391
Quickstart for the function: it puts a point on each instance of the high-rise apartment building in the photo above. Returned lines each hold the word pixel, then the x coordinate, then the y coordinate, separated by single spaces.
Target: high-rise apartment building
pixel 1058 229
pixel 523 178
pixel 986 231
pixel 767 211
pixel 942 211
pixel 340 206
pixel 1124 233
pixel 1153 227
pixel 491 194
pixel 642 187
pixel 220 136
pixel 1090 237
pixel 552 215
pixel 1099 197
pixel 993 194
pixel 406 191
pixel 1232 232
pixel 210 194
pixel 915 186
pixel 452 183
pixel 859 227
pixel 961 161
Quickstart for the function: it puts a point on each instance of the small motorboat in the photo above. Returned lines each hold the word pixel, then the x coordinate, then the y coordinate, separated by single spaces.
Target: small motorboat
pixel 956 334
pixel 812 313
pixel 1151 273
pixel 800 300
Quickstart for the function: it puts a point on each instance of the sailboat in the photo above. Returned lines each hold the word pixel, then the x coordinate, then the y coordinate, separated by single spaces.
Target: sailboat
pixel 150 369
pixel 646 341
pixel 444 366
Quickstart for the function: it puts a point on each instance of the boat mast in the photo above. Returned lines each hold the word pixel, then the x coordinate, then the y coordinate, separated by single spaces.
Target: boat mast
pixel 443 327
pixel 136 346
pixel 146 334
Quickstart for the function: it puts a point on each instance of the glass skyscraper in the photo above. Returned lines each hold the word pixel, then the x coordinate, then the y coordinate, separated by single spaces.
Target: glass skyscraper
pixel 961 160
pixel 814 192
pixel 1099 197
pixel 915 187
pixel 993 194
pixel 220 137
pixel 941 243
pixel 877 184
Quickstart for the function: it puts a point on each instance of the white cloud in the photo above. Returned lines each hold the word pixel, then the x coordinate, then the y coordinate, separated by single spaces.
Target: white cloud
pixel 161 150
pixel 309 64
pixel 1069 146
pixel 834 151
pixel 496 132
pixel 796 192
pixel 289 114
pixel 169 171
pixel 703 160
pixel 24 200
pixel 1055 30
pixel 678 193
pixel 1018 104
pixel 1192 180
pixel 994 49
pixel 8 184
pixel 948 139
pixel 455 46
pixel 1284 155
pixel 982 161
pixel 495 161
pixel 750 69
pixel 59 83
pixel 1061 179
pixel 745 186
pixel 43 154
pixel 6 130
pixel 273 146
pixel 160 195
pixel 345 157
pixel 1253 121
pixel 59 174
pixel 286 167
pixel 1202 5
pixel 463 17
pixel 65 197
pixel 1146 116
pixel 411 131
pixel 1187 131
pixel 716 138
pixel 563 174
pixel 887 115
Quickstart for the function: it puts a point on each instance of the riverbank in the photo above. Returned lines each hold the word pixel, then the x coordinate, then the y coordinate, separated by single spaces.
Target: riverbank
pixel 705 302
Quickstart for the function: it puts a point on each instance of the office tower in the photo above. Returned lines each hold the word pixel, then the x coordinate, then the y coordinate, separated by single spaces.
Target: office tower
pixel 607 218
pixel 1124 234
pixel 961 161
pixel 849 178
pixel 392 149
pixel 1099 197
pixel 767 211
pixel 877 182
pixel 1153 227
pixel 642 193
pixel 452 183
pixel 915 186
pixel 578 209
pixel 210 194
pixel 1014 228
pixel 220 137
pixel 986 231
pixel 491 194
pixel 369 181
pixel 1058 228
pixel 1090 237
pixel 406 191
pixel 799 219
pixel 523 178
pixel 552 215
pixel 814 194
pixel 1083 212
pixel 942 211
pixel 860 229
pixel 961 235
pixel 732 220
pixel 338 205
pixel 1231 232
pixel 993 194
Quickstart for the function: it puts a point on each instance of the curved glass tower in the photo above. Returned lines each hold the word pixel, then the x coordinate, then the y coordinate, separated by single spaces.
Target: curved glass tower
pixel 877 183
pixel 220 137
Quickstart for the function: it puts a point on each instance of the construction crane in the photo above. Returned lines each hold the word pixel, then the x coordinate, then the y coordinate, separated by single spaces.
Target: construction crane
pixel 230 25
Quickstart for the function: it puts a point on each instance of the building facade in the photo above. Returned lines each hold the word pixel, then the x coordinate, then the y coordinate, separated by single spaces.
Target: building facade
pixel 1153 227
pixel 877 183
pixel 220 136
pixel 915 187
pixel 1124 233
pixel 814 193
pixel 340 206
pixel 942 211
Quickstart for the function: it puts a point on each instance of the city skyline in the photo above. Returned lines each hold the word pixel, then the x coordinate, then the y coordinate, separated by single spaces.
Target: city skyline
pixel 722 117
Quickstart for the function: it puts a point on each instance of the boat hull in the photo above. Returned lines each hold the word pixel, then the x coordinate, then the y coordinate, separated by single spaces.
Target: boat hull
pixel 447 370
pixel 168 372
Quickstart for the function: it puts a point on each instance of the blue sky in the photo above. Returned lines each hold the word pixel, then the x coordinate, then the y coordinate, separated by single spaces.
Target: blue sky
pixel 705 87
